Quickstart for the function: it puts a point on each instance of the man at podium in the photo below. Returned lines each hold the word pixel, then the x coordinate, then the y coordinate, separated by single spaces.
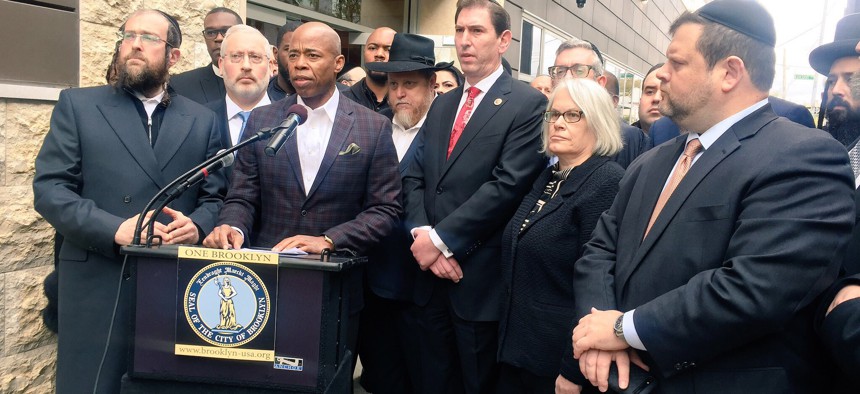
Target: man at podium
pixel 335 185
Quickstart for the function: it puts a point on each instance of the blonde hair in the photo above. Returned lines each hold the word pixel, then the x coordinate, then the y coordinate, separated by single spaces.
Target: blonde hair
pixel 597 108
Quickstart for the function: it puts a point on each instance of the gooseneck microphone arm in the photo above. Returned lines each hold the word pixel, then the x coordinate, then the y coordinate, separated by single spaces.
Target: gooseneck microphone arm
pixel 172 191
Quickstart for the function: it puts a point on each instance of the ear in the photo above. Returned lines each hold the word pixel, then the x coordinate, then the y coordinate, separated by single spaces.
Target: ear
pixel 339 62
pixel 175 54
pixel 732 71
pixel 221 66
pixel 601 80
pixel 505 41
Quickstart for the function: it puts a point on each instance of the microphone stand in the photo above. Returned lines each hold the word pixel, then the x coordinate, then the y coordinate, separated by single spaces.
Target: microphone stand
pixel 263 134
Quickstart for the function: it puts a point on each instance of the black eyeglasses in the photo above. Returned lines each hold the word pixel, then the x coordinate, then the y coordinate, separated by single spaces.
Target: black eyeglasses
pixel 569 116
pixel 578 70
pixel 145 38
pixel 212 34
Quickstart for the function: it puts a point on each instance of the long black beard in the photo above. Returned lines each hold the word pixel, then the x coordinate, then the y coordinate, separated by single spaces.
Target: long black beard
pixel 149 79
pixel 845 132
pixel 844 126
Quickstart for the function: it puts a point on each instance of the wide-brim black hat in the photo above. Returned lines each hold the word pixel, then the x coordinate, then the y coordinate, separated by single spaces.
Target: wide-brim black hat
pixel 845 40
pixel 409 52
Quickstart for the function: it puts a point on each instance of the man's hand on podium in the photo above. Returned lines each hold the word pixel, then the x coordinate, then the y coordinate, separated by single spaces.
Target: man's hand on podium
pixel 224 237
pixel 181 230
pixel 125 233
pixel 307 243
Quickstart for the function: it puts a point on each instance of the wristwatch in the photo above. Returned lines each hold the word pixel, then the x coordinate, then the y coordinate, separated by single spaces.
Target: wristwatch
pixel 327 239
pixel 619 327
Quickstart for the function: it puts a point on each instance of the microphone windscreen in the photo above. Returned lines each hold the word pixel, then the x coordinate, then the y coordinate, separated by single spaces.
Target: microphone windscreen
pixel 229 159
pixel 300 111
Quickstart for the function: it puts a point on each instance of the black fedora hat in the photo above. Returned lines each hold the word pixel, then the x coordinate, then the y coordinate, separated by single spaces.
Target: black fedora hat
pixel 847 36
pixel 409 52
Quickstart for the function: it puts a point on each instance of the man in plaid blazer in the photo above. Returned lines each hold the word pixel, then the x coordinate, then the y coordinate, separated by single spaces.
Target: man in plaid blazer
pixel 334 185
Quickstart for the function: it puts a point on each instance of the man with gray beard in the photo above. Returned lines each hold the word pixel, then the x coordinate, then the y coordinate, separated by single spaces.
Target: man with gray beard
pixel 387 323
pixel 108 151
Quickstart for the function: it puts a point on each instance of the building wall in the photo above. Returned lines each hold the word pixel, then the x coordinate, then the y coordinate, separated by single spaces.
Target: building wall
pixel 27 348
pixel 630 31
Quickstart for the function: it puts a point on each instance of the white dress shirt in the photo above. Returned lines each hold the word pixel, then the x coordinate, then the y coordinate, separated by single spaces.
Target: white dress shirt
pixel 234 120
pixel 707 139
pixel 312 137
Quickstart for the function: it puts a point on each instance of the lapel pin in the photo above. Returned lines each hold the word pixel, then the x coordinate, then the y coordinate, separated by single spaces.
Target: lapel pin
pixel 498 102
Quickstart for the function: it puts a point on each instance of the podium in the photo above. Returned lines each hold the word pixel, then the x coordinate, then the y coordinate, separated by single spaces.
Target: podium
pixel 298 335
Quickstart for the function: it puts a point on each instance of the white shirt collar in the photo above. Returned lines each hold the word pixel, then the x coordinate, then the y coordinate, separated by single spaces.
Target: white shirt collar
pixel 329 108
pixel 233 108
pixel 711 135
pixel 154 99
pixel 485 84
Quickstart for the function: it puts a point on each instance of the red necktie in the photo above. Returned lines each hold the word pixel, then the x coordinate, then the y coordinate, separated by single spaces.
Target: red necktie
pixel 693 147
pixel 462 119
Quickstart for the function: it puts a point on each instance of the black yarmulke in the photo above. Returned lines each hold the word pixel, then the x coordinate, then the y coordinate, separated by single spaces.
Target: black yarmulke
pixel 744 16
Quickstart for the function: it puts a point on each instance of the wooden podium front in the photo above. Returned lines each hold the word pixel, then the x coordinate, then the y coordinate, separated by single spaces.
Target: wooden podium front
pixel 306 328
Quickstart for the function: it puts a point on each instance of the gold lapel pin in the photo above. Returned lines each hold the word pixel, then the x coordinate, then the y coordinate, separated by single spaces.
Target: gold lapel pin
pixel 498 101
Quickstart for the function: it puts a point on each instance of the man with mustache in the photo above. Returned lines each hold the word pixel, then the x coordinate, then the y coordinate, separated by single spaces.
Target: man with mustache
pixel 204 84
pixel 838 61
pixel 372 90
pixel 108 151
pixel 386 337
pixel 244 65
pixel 280 85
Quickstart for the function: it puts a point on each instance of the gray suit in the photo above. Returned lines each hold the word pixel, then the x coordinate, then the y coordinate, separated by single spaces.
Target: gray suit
pixel 95 169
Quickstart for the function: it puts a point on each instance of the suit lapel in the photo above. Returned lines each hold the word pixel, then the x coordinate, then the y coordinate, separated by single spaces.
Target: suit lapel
pixel 719 151
pixel 568 188
pixel 123 118
pixel 343 122
pixel 494 100
pixel 175 128
pixel 212 85
pixel 291 147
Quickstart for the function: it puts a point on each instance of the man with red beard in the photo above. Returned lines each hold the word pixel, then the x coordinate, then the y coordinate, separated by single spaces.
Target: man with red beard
pixel 387 323
pixel 108 151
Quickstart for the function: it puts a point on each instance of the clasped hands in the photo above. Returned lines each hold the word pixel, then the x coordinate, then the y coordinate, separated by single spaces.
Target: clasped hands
pixel 179 231
pixel 596 347
pixel 429 257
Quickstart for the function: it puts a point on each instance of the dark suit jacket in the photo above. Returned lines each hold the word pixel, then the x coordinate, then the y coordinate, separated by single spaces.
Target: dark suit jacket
pixel 471 196
pixel 537 264
pixel 354 198
pixel 725 284
pixel 95 170
pixel 219 107
pixel 636 142
pixel 200 84
pixel 840 333
pixel 391 268
pixel 664 129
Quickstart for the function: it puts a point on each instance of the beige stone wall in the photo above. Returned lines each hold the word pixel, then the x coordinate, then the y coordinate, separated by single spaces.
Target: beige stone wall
pixel 27 348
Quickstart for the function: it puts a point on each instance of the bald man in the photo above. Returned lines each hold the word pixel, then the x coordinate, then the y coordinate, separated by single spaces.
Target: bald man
pixel 335 185
pixel 543 83
pixel 372 90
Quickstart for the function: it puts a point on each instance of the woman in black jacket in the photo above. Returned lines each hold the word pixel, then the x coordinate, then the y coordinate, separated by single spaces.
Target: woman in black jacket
pixel 546 235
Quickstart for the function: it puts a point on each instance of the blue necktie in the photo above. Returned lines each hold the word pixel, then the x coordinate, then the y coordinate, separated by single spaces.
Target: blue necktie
pixel 244 115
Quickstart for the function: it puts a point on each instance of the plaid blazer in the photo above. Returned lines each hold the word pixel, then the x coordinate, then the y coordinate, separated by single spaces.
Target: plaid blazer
pixel 354 199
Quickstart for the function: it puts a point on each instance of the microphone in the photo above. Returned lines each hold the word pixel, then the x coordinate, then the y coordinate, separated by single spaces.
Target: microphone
pixel 225 162
pixel 296 115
